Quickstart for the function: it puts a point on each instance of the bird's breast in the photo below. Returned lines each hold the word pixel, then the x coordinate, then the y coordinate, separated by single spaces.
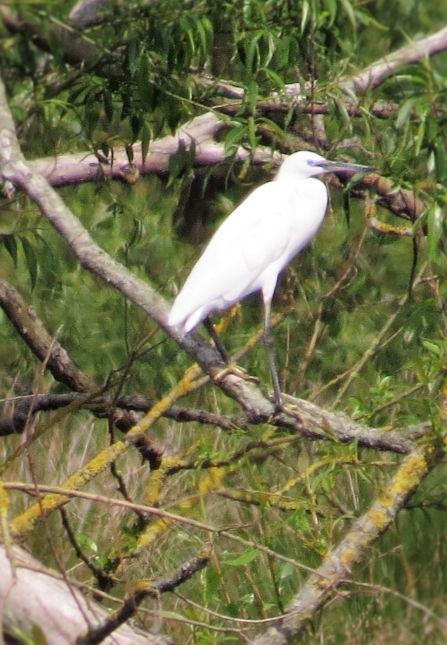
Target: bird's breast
pixel 305 213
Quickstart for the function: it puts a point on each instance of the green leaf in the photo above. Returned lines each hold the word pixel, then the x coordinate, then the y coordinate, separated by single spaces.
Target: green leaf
pixel 252 58
pixel 274 127
pixel 350 13
pixel 132 57
pixel 178 162
pixel 267 49
pixel 433 348
pixel 91 113
pixel 144 87
pixel 244 559
pixel 331 7
pixel 366 19
pixel 276 79
pixel 129 153
pixel 136 234
pixel 342 112
pixel 10 244
pixel 305 13
pixel 173 115
pixel 136 123
pixel 431 129
pixel 145 140
pixel 86 542
pixel 251 95
pixel 286 571
pixel 105 148
pixel 252 133
pixel 241 52
pixel 404 112
pixel 31 260
pixel 440 161
pixel 108 105
pixel 206 34
pixel 235 136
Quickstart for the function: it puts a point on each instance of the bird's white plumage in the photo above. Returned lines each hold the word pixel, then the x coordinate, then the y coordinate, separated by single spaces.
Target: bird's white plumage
pixel 252 246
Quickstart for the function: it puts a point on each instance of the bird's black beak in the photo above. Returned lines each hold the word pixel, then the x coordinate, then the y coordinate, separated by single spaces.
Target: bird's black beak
pixel 340 166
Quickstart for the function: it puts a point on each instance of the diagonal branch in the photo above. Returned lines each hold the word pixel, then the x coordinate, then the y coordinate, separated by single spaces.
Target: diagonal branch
pixel 148 589
pixel 38 339
pixel 382 69
pixel 338 564
pixel 36 600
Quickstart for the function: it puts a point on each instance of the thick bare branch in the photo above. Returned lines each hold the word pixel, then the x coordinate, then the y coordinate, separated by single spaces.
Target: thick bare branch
pixel 304 417
pixel 382 69
pixel 85 11
pixel 56 359
pixel 81 167
pixel 35 598
pixel 316 423
pixel 76 48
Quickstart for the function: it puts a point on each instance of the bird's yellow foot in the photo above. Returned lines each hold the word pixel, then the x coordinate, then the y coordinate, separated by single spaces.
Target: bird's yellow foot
pixel 238 371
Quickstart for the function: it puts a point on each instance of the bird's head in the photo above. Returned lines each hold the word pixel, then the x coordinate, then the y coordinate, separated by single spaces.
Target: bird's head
pixel 305 164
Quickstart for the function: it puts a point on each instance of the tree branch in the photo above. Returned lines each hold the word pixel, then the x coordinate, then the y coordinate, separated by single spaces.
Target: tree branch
pixel 101 407
pixel 378 72
pixel 145 589
pixel 338 564
pixel 41 343
pixel 35 598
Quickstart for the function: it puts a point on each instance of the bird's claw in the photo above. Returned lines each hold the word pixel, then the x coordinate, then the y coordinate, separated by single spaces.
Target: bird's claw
pixel 289 409
pixel 238 371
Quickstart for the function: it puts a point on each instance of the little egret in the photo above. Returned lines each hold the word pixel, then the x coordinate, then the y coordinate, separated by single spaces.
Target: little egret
pixel 254 244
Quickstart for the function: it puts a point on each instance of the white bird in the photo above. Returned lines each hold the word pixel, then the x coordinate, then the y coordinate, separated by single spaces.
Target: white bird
pixel 254 244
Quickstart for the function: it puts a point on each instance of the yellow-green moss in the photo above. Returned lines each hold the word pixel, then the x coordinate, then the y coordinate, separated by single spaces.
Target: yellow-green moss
pixel 378 518
pixel 409 475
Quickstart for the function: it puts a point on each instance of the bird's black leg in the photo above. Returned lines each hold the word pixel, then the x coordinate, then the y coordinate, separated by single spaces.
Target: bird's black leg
pixel 269 348
pixel 214 335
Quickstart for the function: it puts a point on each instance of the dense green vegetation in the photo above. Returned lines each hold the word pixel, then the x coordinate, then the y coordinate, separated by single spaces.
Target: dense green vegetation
pixel 361 328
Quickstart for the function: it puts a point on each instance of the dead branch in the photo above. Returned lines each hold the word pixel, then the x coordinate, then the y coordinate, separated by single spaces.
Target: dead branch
pixel 77 168
pixel 379 71
pixel 35 598
pixel 77 49
pixel 101 406
pixel 81 167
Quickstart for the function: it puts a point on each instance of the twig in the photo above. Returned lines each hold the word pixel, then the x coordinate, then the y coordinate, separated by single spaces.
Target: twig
pixel 144 589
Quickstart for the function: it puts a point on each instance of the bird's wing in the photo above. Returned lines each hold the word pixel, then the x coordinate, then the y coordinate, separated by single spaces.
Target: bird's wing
pixel 289 215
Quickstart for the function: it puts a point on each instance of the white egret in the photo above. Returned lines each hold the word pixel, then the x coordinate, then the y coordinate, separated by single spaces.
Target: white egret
pixel 254 244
